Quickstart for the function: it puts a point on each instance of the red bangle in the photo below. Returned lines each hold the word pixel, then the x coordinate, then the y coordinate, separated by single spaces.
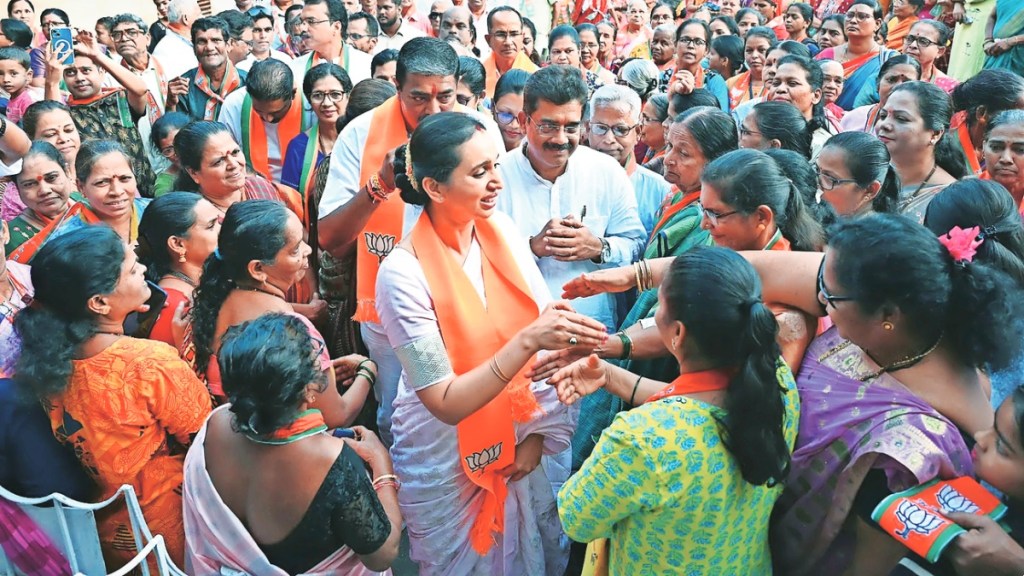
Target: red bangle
pixel 377 190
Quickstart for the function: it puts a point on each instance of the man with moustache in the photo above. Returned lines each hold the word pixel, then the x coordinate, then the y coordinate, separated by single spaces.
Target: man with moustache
pixel 361 210
pixel 575 205
pixel 395 31
pixel 437 10
pixel 455 27
pixel 215 77
pixel 613 127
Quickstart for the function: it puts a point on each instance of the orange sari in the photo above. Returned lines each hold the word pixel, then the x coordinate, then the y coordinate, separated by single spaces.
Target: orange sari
pixel 487 437
pixel 898 32
pixel 522 62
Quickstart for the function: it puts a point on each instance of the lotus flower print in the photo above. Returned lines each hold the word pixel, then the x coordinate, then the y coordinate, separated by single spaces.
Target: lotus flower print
pixel 380 245
pixel 479 460
pixel 916 518
pixel 953 501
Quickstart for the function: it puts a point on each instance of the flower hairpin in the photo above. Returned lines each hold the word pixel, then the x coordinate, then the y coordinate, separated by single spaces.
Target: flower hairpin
pixel 962 244
pixel 409 173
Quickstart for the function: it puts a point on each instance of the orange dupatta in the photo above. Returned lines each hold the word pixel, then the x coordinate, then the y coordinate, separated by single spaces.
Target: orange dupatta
pixel 230 81
pixel 254 135
pixel 522 62
pixel 473 334
pixel 698 77
pixel 23 254
pixel 384 228
pixel 959 125
pixel 741 89
pixel 894 40
pixel 671 211
pixel 851 66
pixel 695 382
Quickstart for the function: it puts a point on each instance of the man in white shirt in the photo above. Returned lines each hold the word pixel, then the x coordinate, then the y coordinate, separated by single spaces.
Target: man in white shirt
pixel 262 39
pixel 175 49
pixel 394 30
pixel 323 25
pixel 348 221
pixel 613 127
pixel 268 105
pixel 363 32
pixel 575 204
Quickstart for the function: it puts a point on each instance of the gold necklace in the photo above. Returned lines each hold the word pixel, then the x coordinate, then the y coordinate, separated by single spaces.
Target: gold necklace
pixel 901 364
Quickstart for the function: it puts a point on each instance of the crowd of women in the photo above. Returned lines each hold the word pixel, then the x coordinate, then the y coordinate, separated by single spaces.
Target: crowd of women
pixel 826 309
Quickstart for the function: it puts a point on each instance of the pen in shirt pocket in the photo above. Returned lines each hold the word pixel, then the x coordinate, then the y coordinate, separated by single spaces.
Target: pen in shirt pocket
pixel 583 213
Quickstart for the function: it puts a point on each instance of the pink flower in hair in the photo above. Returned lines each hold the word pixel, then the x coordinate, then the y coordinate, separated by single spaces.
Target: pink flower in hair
pixel 962 244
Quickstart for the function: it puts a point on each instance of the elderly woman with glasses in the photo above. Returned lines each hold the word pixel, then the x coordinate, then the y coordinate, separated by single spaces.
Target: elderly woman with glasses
pixel 861 56
pixel 326 86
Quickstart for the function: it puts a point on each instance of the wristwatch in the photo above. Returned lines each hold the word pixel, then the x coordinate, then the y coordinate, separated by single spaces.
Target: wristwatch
pixel 606 252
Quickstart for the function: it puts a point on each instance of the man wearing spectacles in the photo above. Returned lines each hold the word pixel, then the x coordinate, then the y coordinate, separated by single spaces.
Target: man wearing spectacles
pixel 575 204
pixel 613 128
pixel 352 220
pixel 240 35
pixel 175 49
pixel 363 32
pixel 505 38
pixel 324 25
pixel 264 117
pixel 437 10
pixel 262 39
pixel 394 30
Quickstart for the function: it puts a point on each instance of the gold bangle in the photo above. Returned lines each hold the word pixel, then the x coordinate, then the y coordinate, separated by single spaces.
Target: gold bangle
pixel 392 483
pixel 636 270
pixel 384 477
pixel 497 370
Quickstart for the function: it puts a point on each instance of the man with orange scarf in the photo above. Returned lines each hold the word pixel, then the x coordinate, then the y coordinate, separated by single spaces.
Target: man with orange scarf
pixel 265 116
pixel 359 209
pixel 505 37
pixel 214 78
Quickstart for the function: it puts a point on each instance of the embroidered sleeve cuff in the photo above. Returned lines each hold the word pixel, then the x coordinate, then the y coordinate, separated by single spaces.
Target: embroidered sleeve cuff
pixel 425 362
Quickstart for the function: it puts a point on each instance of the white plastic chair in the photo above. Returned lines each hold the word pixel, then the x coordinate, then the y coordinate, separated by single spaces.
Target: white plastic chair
pixel 71 525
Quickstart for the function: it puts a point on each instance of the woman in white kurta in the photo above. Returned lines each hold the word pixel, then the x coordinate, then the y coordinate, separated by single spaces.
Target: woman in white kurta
pixel 435 297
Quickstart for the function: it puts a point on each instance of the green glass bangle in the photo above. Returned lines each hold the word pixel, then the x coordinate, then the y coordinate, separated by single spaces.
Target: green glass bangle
pixel 627 346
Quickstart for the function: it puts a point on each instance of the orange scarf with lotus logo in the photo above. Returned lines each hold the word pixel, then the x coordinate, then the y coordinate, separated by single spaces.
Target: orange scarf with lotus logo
pixel 472 334
pixel 384 228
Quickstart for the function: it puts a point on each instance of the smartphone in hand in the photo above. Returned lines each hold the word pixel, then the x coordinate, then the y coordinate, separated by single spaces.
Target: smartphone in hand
pixel 62 43
pixel 140 324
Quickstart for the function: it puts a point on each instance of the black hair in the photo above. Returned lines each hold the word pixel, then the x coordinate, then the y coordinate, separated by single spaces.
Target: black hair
pixel 499 10
pixel 165 124
pixel 696 22
pixel 372 26
pixel 793 48
pixel 695 99
pixel 1004 118
pixel 66 273
pixel 54 12
pixel 10 6
pixel 46 150
pixel 210 23
pixel 563 31
pixel 890 261
pixel 806 12
pixel 944 32
pixel 782 121
pixel 189 145
pixel 897 60
pixel 17 32
pixel 427 57
pixel 838 18
pixel 17 55
pixel 730 23
pixel 816 79
pixel 252 230
pixel 270 80
pixel 366 95
pixel 587 26
pixel 936 110
pixel 511 82
pixel 535 57
pixel 714 131
pixel 434 152
pixel 105 21
pixel 1018 411
pixel 799 170
pixel 716 295
pixel 556 84
pixel 473 75
pixel 383 57
pixel 30 121
pixel 876 8
pixel 266 365
pixel 260 13
pixel 321 71
pixel 731 48
pixel 744 12
pixel 660 103
pixel 172 214
pixel 748 178
pixel 987 205
pixel 237 22
pixel 762 32
pixel 989 92
pixel 335 12
pixel 91 151
pixel 919 4
pixel 868 161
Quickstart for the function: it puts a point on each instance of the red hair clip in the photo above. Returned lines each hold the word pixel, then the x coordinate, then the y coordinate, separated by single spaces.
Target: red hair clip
pixel 962 244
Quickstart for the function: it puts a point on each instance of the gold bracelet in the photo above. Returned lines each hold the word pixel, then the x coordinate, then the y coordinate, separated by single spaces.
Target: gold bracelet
pixel 497 371
pixel 384 477
pixel 392 483
pixel 636 270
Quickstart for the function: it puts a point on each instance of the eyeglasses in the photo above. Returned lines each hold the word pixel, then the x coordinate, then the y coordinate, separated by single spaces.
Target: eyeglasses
pixel 620 130
pixel 355 36
pixel 645 119
pixel 823 292
pixel 826 182
pixel 691 41
pixel 333 96
pixel 505 118
pixel 259 12
pixel 310 22
pixel 503 35
pixel 920 40
pixel 248 43
pixel 117 35
pixel 166 151
pixel 744 131
pixel 859 16
pixel 549 128
pixel 436 15
pixel 712 216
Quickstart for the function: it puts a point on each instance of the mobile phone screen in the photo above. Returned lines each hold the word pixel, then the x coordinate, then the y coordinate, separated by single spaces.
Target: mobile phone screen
pixel 62 42
pixel 140 324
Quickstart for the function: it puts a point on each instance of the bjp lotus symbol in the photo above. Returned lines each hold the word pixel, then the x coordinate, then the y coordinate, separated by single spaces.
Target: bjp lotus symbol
pixel 479 460
pixel 916 518
pixel 953 501
pixel 380 245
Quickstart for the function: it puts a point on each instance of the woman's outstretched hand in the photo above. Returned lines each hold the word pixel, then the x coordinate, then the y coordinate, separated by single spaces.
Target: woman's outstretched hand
pixel 578 379
pixel 599 282
pixel 559 326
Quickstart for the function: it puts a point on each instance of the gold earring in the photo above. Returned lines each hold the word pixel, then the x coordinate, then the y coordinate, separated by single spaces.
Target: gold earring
pixel 888 326
pixel 181 257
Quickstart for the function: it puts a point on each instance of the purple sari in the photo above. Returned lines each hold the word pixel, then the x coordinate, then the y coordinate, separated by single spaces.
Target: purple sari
pixel 847 428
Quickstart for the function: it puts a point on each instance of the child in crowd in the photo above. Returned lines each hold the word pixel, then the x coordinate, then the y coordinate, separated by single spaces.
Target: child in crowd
pixel 15 76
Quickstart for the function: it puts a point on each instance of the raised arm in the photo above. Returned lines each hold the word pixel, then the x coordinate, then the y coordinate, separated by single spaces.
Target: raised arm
pixel 133 84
